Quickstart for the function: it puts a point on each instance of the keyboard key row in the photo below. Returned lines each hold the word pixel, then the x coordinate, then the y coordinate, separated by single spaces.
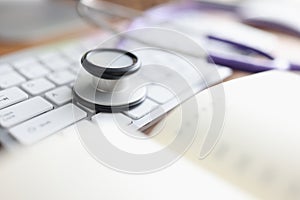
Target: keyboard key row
pixel 13 78
pixel 11 96
pixel 25 110
pixel 44 125
pixel 53 60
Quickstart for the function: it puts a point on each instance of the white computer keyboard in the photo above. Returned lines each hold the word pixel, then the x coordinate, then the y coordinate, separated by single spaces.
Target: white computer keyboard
pixel 36 93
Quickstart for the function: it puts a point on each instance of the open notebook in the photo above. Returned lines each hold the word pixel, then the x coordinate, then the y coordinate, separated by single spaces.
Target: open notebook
pixel 257 154
pixel 258 150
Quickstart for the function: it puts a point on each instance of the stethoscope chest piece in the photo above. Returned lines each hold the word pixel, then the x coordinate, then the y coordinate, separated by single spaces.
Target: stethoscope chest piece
pixel 110 81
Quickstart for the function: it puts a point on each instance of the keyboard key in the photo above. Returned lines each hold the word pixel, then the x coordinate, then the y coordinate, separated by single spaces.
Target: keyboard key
pixel 34 71
pixel 24 62
pixel 159 94
pixel 11 96
pixel 4 68
pixel 37 86
pixel 60 95
pixel 74 52
pixel 10 79
pixel 56 62
pixel 113 123
pixel 118 118
pixel 23 111
pixel 62 77
pixel 47 124
pixel 146 107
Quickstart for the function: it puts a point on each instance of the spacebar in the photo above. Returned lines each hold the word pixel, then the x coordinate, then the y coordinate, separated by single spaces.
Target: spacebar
pixel 47 124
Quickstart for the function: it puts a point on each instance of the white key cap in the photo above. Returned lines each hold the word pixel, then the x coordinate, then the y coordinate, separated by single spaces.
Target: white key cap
pixel 11 96
pixel 10 79
pixel 117 118
pixel 37 86
pixel 60 95
pixel 34 71
pixel 146 107
pixel 22 111
pixel 4 68
pixel 159 94
pixel 62 77
pixel 56 62
pixel 112 123
pixel 24 62
pixel 47 124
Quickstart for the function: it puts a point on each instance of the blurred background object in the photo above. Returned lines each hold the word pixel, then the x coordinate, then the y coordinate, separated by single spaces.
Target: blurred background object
pixel 34 20
pixel 29 21
pixel 280 16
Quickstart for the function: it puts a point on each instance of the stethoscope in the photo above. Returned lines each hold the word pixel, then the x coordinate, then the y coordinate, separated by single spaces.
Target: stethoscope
pixel 245 58
pixel 110 81
pixel 110 76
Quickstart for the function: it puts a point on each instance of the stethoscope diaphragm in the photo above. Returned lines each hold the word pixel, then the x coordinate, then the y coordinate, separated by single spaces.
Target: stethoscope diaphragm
pixel 109 81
